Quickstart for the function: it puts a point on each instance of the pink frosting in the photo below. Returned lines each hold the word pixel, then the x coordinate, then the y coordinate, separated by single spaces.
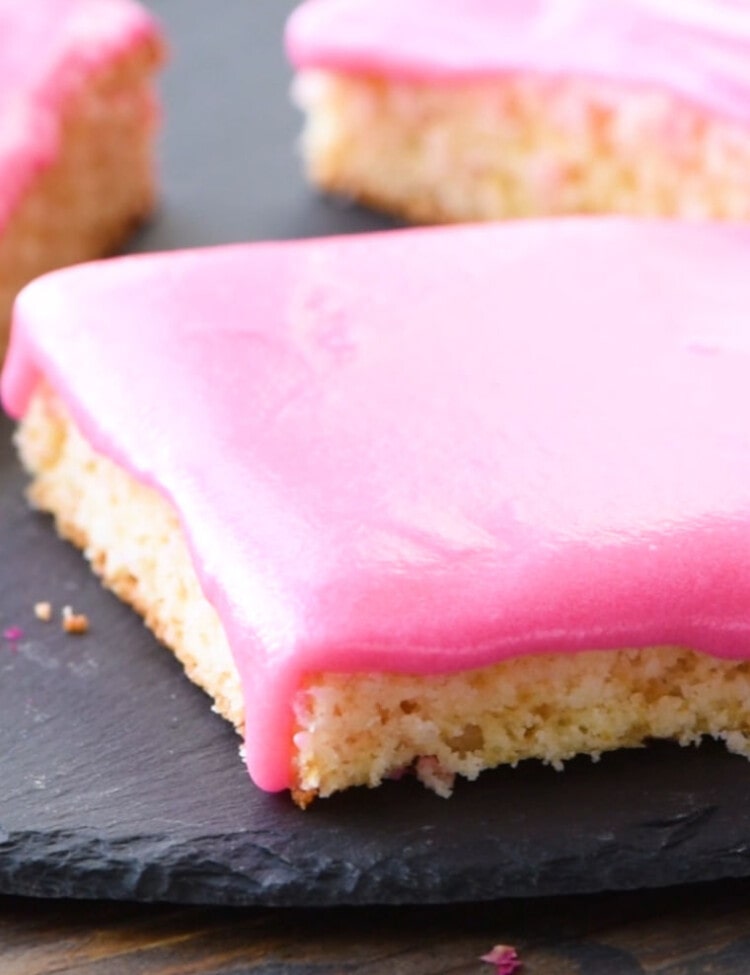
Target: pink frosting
pixel 699 49
pixel 427 450
pixel 47 50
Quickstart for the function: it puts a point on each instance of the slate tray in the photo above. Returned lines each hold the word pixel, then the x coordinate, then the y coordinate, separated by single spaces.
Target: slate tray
pixel 117 781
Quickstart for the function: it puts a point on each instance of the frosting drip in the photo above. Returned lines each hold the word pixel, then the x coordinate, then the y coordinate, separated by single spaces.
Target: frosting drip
pixel 698 49
pixel 46 48
pixel 383 464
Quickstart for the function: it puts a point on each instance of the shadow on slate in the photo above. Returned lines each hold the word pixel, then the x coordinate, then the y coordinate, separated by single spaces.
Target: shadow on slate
pixel 117 781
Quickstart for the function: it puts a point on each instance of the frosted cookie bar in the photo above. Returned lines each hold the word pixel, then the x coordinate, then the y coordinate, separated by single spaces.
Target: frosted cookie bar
pixel 77 117
pixel 388 512
pixel 464 110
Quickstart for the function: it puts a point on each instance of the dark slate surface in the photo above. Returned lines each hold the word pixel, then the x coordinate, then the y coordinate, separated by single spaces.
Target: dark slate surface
pixel 115 778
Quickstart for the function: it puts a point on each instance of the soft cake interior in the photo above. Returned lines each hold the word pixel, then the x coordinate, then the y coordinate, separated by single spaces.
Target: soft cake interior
pixel 520 146
pixel 101 184
pixel 357 729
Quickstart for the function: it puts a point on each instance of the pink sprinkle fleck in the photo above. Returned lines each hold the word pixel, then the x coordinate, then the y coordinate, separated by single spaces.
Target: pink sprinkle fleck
pixel 504 957
pixel 13 634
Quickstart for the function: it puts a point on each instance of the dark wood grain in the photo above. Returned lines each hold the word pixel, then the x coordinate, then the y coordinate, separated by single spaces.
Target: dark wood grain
pixel 686 931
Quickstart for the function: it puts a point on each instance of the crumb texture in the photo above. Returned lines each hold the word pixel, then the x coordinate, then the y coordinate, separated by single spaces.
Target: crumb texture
pixel 134 541
pixel 365 728
pixel 520 146
pixel 101 184
pixel 360 729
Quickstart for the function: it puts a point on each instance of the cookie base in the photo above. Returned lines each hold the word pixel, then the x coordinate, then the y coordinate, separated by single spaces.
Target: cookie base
pixel 520 146
pixel 359 729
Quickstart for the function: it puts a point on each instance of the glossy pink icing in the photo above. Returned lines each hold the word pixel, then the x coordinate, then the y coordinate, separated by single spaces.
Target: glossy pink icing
pixel 427 450
pixel 699 49
pixel 47 50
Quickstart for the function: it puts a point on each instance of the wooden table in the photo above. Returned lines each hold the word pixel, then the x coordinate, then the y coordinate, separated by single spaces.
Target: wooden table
pixel 684 931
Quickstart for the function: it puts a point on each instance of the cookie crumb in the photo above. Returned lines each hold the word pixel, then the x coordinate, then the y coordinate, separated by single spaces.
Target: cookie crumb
pixel 43 611
pixel 303 797
pixel 74 622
